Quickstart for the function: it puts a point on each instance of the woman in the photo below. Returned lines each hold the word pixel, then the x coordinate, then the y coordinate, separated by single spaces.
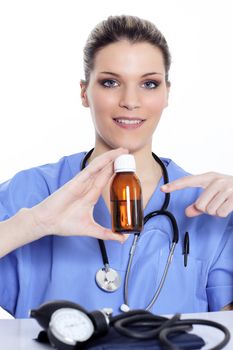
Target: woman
pixel 126 87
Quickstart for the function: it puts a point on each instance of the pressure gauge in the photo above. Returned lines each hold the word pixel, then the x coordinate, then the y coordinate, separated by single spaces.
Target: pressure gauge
pixel 68 327
pixel 67 324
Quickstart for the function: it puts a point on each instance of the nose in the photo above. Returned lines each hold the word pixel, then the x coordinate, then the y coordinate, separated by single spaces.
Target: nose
pixel 129 98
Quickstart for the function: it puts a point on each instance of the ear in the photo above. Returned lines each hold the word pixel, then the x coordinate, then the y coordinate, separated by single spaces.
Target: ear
pixel 168 92
pixel 83 86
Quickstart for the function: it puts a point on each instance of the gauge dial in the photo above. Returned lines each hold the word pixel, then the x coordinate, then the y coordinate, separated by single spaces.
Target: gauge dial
pixel 71 326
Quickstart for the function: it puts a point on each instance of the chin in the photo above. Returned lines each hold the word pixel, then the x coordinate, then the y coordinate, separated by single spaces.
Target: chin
pixel 132 148
pixel 133 145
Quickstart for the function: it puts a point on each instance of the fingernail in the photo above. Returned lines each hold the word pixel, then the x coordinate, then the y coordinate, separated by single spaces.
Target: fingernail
pixel 164 187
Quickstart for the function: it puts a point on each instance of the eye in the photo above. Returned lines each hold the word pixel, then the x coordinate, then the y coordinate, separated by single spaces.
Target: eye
pixel 150 84
pixel 109 83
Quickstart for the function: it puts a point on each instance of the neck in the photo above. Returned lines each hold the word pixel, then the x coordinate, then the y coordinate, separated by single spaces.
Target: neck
pixel 146 167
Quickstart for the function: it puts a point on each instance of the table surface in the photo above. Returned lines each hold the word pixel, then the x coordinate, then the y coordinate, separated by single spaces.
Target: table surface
pixel 20 333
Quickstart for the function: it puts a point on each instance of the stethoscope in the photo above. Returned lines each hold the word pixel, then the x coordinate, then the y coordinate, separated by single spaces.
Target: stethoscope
pixel 68 326
pixel 109 279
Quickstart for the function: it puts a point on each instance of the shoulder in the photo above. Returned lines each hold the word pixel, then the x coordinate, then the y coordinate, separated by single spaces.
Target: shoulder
pixel 28 187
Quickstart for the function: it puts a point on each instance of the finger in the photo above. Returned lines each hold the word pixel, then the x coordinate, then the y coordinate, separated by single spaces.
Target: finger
pixel 201 180
pixel 76 188
pixel 206 198
pixel 215 204
pixel 220 205
pixel 101 180
pixel 101 232
pixel 78 184
pixel 192 211
pixel 226 208
pixel 203 202
pixel 100 162
pixel 211 199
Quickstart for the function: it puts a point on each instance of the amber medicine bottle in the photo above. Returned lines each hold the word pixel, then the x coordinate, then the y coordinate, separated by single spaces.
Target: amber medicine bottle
pixel 126 196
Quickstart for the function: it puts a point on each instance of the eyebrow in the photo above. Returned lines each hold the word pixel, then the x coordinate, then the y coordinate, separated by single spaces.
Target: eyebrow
pixel 144 75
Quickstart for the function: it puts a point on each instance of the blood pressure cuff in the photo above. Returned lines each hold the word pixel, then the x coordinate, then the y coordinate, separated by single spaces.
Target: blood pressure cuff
pixel 114 341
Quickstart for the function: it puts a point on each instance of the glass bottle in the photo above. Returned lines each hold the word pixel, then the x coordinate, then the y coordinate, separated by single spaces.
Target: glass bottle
pixel 126 197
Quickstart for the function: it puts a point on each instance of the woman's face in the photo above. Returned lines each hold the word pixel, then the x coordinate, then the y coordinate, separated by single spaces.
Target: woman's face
pixel 126 93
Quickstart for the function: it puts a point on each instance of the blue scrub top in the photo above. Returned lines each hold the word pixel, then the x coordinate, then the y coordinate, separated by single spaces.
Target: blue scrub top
pixel 57 267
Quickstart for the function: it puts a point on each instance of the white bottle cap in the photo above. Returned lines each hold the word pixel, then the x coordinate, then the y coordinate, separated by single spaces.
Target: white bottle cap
pixel 125 162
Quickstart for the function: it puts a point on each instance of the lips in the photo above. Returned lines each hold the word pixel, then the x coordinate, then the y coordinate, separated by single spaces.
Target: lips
pixel 128 123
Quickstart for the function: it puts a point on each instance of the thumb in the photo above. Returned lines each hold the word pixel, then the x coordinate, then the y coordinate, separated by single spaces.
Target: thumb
pixel 101 232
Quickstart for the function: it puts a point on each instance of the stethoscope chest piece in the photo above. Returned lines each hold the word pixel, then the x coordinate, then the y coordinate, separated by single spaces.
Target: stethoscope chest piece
pixel 108 279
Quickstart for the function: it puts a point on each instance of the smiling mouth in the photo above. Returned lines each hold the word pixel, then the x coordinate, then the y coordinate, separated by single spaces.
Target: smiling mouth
pixel 128 122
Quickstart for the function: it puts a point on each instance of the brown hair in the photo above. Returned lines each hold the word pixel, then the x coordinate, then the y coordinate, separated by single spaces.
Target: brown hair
pixel 131 28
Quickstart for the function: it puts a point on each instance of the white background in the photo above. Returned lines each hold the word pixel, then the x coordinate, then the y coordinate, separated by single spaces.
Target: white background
pixel 41 45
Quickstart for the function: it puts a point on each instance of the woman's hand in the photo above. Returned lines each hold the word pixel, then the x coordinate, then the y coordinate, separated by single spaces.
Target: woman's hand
pixel 216 199
pixel 69 211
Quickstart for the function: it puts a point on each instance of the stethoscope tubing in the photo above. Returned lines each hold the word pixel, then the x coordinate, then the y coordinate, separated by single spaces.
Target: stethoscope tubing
pixel 162 211
pixel 163 278
pixel 161 327
pixel 186 325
